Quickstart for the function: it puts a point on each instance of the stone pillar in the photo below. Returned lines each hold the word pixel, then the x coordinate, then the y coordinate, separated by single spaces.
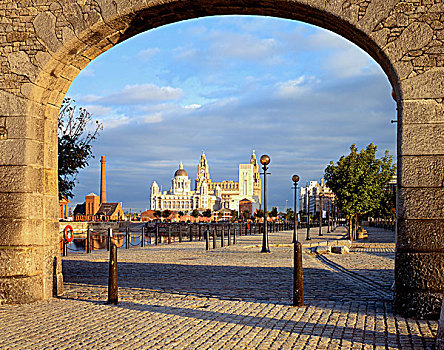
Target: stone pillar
pixel 103 181
pixel 419 273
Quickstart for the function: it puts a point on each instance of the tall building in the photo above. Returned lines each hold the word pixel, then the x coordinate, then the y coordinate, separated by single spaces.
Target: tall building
pixel 314 196
pixel 207 194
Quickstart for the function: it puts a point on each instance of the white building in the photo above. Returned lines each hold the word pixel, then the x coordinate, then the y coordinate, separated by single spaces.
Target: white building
pixel 313 196
pixel 208 194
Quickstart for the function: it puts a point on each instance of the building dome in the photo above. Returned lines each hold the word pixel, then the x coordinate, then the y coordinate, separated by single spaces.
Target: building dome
pixel 181 171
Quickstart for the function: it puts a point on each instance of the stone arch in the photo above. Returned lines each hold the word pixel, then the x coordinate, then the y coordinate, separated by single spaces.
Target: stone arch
pixel 45 46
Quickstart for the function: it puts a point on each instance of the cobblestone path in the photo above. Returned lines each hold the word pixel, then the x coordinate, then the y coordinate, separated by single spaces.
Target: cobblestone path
pixel 180 296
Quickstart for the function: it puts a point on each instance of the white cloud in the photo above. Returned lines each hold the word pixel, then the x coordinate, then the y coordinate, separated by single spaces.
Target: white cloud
pixel 98 110
pixel 349 62
pixel 137 94
pixel 146 54
pixel 295 87
pixel 192 106
pixel 153 118
pixel 115 121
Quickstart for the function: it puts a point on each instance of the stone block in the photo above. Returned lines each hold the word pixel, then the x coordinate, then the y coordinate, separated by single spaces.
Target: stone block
pixel 420 235
pixel 322 249
pixel 20 261
pixel 421 139
pixel 340 250
pixel 429 84
pixel 21 232
pixel 21 289
pixel 12 105
pixel 422 111
pixel 420 203
pixel 21 206
pixel 421 171
pixel 418 304
pixel 21 152
pixel 25 128
pixel 420 271
pixel 20 179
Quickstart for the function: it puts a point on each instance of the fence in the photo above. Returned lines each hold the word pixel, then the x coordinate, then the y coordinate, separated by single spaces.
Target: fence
pixel 221 234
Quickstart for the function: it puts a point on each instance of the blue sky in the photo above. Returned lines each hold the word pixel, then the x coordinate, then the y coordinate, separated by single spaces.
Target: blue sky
pixel 228 85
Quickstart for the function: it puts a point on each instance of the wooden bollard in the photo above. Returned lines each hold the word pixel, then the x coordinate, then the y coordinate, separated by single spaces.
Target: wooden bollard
pixel 127 238
pixel 298 284
pixel 169 234
pixel 113 292
pixel 234 234
pixel 228 235
pixel 88 240
pixel 200 232
pixel 222 236
pixel 180 233
pixel 207 239
pixel 142 238
pixel 191 232
pixel 64 247
pixel 214 237
pixel 156 236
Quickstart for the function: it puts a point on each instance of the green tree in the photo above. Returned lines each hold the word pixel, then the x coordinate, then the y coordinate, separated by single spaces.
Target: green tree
pixel 273 213
pixel 181 213
pixel 359 181
pixel 289 215
pixel 195 213
pixel 234 215
pixel 246 214
pixel 259 214
pixel 76 132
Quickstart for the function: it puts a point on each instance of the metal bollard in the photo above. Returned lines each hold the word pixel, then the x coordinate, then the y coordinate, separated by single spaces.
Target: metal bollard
pixel 156 236
pixel 214 237
pixel 64 247
pixel 180 233
pixel 298 284
pixel 191 232
pixel 228 235
pixel 142 239
pixel 207 240
pixel 108 241
pixel 127 238
pixel 222 243
pixel 251 228
pixel 169 234
pixel 88 240
pixel 113 292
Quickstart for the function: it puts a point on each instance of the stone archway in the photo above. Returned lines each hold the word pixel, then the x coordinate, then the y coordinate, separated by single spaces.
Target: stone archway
pixel 44 47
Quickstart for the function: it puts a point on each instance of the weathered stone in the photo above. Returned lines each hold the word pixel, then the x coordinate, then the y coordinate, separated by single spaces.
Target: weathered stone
pixel 424 86
pixel 422 111
pixel 21 289
pixel 44 26
pixel 421 171
pixel 419 304
pixel 19 232
pixel 420 203
pixel 340 250
pixel 322 249
pixel 422 139
pixel 420 271
pixel 420 235
pixel 440 334
pixel 20 64
pixel 20 261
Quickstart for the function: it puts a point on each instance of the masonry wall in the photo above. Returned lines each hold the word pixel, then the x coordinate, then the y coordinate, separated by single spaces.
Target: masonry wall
pixel 45 44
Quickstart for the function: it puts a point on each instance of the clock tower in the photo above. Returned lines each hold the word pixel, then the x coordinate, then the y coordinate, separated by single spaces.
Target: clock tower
pixel 203 172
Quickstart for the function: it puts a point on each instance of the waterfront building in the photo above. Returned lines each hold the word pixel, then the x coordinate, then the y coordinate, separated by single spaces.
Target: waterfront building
pixel 208 194
pixel 313 196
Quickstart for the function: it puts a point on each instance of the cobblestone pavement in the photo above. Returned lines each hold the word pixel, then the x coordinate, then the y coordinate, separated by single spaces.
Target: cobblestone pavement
pixel 180 296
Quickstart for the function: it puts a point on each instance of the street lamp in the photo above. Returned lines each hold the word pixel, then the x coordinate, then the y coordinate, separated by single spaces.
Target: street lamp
pixel 321 195
pixel 265 160
pixel 295 179
pixel 308 215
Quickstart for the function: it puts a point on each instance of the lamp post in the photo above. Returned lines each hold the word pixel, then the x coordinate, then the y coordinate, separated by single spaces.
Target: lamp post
pixel 321 195
pixel 308 215
pixel 265 160
pixel 295 179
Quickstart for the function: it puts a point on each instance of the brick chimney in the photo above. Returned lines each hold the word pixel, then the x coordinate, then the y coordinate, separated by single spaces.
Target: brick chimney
pixel 103 181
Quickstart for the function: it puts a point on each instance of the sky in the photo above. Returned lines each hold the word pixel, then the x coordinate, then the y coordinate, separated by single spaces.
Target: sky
pixel 228 85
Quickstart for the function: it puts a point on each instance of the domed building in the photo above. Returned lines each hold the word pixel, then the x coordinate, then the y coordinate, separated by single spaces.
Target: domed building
pixel 226 194
pixel 180 197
